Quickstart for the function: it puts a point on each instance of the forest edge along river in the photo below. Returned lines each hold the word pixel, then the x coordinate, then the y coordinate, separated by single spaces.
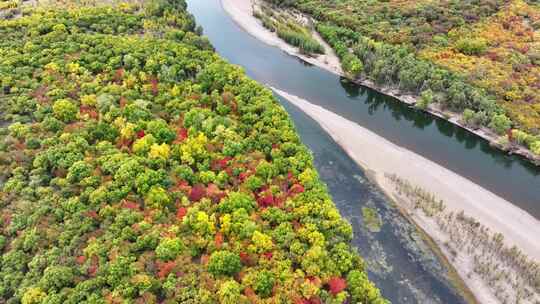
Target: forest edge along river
pixel 466 155
pixel 458 191
pixel 509 177
pixel 517 227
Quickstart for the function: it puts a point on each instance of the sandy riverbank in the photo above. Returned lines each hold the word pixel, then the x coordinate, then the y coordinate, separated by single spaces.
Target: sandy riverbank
pixel 379 156
pixel 241 11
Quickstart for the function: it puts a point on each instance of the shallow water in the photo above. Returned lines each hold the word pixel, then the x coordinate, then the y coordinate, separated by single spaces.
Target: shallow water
pixel 405 270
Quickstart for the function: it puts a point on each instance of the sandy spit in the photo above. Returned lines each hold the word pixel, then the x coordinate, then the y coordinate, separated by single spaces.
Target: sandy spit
pixel 241 11
pixel 379 156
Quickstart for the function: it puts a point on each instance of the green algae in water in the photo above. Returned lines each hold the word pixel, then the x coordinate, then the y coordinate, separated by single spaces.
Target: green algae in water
pixel 372 220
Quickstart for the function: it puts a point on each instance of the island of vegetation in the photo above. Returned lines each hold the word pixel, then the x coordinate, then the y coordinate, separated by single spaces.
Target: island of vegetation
pixel 475 64
pixel 137 166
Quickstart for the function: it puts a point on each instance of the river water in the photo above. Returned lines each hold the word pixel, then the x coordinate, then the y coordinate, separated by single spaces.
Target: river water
pixel 405 271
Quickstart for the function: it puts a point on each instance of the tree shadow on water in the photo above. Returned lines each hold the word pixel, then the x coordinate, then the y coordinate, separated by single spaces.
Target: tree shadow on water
pixel 352 89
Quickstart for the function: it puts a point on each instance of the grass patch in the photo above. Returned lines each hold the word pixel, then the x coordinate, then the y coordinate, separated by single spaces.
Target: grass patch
pixel 372 219
pixel 289 30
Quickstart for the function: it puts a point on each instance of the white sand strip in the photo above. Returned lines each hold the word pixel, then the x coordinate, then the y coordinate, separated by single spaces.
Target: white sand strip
pixel 376 154
pixel 379 156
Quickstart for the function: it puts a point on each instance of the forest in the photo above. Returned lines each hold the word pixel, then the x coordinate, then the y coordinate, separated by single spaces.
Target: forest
pixel 137 166
pixel 480 58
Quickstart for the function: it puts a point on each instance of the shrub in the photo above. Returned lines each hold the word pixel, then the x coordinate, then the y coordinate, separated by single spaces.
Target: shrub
pixel 305 43
pixel 471 46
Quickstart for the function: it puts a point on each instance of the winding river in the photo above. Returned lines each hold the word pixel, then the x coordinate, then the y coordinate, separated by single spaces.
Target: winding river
pixel 398 260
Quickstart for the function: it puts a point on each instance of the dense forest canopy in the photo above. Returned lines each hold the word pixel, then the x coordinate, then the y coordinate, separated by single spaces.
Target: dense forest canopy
pixel 137 166
pixel 478 57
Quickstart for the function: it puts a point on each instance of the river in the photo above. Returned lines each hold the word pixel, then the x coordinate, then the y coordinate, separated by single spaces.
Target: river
pixel 405 271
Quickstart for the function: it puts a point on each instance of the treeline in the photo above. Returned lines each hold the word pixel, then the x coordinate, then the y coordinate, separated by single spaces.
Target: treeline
pixel 137 166
pixel 396 66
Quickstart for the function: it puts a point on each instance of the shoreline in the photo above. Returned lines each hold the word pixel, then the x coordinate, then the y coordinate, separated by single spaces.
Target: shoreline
pixel 383 157
pixel 454 276
pixel 241 11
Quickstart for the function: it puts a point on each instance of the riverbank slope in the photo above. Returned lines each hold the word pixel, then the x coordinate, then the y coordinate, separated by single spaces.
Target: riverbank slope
pixel 378 157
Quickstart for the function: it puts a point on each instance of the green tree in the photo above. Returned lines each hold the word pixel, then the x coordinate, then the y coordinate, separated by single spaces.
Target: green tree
pixel 33 295
pixel 264 283
pixel 161 131
pixel 535 147
pixel 352 65
pixel 426 98
pixel 143 145
pixel 237 200
pixel 362 290
pixel 169 248
pixel 229 292
pixel 157 197
pixel 65 110
pixel 56 277
pixel 78 171
pixel 253 183
pixel 224 263
pixel 500 123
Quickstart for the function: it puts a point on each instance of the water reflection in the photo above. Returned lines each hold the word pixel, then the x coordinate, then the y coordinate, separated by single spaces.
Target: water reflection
pixel 352 89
